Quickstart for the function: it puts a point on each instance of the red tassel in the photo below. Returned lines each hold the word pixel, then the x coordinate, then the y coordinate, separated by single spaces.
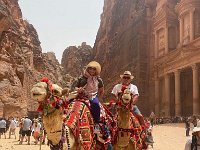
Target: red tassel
pixel 124 87
pixel 40 108
pixel 45 79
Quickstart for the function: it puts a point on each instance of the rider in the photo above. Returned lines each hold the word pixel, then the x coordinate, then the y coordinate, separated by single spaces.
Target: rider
pixel 91 86
pixel 126 79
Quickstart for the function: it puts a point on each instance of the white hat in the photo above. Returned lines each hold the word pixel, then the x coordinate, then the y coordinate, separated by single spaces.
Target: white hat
pixel 127 73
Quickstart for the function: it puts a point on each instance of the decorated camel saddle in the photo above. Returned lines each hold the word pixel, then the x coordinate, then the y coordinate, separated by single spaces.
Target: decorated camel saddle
pixel 127 133
pixel 69 124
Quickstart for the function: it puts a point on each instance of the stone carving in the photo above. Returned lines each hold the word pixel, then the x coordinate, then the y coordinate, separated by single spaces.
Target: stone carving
pixel 161 42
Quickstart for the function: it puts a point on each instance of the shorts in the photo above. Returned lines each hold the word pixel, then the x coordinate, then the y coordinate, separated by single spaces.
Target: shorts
pixel 27 132
pixel 36 134
pixel 2 130
pixel 20 131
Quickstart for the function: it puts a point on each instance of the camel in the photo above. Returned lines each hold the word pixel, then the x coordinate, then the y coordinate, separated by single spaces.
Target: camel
pixel 68 125
pixel 129 134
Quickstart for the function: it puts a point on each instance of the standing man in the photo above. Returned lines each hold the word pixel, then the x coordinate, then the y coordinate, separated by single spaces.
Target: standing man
pixel 90 86
pixel 126 79
pixel 194 142
pixel 2 127
pixel 13 125
pixel 26 129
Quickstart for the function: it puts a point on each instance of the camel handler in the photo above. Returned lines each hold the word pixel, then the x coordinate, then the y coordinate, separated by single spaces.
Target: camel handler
pixel 126 79
pixel 90 86
pixel 194 143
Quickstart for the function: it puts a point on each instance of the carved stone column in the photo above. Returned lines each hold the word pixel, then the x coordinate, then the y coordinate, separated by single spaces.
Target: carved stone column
pixel 157 102
pixel 191 25
pixel 167 96
pixel 166 40
pixel 195 90
pixel 181 30
pixel 177 93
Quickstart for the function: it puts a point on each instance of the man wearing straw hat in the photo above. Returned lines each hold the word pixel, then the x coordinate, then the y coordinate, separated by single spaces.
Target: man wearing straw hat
pixel 194 143
pixel 91 87
pixel 126 79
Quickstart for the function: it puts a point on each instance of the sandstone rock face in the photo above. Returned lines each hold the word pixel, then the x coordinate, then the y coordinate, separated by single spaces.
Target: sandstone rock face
pixel 22 62
pixel 122 44
pixel 74 59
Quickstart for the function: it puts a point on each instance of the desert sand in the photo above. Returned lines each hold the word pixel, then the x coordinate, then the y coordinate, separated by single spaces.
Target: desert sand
pixel 166 137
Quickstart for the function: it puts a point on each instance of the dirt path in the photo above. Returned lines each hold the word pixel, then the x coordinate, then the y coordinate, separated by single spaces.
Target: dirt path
pixel 166 137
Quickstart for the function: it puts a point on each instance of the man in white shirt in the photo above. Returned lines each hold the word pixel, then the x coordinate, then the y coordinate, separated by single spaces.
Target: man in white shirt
pixel 126 79
pixel 194 143
pixel 13 125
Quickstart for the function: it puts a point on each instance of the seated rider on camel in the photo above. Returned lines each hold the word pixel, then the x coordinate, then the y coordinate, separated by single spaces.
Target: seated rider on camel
pixel 90 86
pixel 126 79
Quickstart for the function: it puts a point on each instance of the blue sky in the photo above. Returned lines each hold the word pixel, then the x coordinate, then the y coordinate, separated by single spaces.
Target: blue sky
pixel 63 23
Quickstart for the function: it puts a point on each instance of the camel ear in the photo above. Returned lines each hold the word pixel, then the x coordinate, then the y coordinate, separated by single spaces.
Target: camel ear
pixel 65 92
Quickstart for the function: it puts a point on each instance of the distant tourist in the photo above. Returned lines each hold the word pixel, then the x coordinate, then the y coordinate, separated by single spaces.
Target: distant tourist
pixel 152 118
pixel 36 130
pixel 13 125
pixel 2 127
pixel 26 129
pixel 194 143
pixel 187 127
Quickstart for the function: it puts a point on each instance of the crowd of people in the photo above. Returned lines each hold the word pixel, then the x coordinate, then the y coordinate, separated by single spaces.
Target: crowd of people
pixel 27 128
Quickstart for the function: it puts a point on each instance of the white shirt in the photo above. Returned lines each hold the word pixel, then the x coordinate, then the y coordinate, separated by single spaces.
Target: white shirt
pixel 36 129
pixel 13 124
pixel 188 145
pixel 117 88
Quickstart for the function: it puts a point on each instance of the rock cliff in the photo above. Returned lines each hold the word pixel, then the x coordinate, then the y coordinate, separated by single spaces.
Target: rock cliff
pixel 122 44
pixel 22 62
pixel 74 59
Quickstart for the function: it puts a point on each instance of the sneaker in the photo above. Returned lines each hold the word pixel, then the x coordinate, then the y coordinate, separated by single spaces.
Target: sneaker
pixel 96 128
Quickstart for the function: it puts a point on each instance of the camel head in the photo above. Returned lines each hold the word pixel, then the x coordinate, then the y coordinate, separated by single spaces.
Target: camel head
pixel 126 96
pixel 40 91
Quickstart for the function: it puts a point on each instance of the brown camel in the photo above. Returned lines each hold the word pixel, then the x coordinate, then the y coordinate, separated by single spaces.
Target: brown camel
pixel 62 120
pixel 129 134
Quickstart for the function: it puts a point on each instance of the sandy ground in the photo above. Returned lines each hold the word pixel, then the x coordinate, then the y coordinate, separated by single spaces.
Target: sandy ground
pixel 166 137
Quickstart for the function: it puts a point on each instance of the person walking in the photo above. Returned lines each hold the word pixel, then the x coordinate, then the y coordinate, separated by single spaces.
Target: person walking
pixel 2 127
pixel 13 125
pixel 26 129
pixel 194 142
pixel 187 127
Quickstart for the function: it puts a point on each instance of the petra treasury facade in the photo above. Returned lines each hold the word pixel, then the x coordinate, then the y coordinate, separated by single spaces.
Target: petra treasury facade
pixel 175 48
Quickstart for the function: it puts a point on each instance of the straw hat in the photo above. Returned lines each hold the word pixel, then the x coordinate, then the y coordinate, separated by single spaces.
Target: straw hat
pixel 96 65
pixel 127 74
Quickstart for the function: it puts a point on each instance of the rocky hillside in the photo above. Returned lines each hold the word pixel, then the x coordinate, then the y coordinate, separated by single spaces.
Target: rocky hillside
pixel 74 59
pixel 22 62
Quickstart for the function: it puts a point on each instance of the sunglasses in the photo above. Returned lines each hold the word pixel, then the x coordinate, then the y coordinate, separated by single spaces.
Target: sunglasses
pixel 126 78
pixel 92 68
